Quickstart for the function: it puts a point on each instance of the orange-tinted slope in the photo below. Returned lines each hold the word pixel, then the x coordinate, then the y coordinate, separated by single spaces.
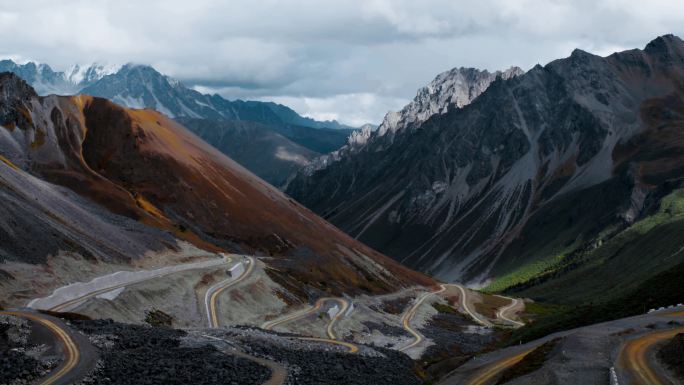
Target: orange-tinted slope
pixel 140 164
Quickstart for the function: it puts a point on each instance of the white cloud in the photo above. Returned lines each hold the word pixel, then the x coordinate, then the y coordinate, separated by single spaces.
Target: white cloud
pixel 352 109
pixel 349 59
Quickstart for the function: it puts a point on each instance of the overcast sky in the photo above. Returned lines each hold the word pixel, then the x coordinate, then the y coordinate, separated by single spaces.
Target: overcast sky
pixel 351 60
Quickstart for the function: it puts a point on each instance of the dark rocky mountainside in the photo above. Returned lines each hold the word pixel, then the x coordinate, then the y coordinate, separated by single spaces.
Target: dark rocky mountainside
pixel 91 177
pixel 531 174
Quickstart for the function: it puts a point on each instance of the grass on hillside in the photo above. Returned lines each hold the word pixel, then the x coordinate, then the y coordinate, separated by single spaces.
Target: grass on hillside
pixel 640 251
pixel 524 273
pixel 664 289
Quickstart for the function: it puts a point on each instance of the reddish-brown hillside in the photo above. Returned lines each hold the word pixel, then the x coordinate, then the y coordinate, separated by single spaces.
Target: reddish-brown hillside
pixel 140 164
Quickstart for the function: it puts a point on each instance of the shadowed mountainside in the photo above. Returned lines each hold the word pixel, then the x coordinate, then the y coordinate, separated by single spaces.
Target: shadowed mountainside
pixel 537 169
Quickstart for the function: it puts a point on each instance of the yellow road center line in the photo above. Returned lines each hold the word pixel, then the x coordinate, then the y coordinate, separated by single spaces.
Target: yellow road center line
pixel 213 298
pixel 634 356
pixel 352 348
pixel 70 349
pixel 489 372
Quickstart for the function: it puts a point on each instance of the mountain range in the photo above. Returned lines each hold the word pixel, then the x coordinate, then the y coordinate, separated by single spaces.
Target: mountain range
pixel 109 184
pixel 547 204
pixel 536 182
pixel 301 139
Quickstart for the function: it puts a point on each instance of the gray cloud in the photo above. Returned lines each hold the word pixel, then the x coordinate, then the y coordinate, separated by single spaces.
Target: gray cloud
pixel 345 59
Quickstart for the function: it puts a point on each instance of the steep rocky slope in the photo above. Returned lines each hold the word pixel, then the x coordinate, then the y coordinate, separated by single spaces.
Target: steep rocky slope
pixel 454 88
pixel 144 182
pixel 536 168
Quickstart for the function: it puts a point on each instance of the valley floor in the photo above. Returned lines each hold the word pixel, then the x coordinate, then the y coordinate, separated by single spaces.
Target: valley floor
pixel 332 340
pixel 228 306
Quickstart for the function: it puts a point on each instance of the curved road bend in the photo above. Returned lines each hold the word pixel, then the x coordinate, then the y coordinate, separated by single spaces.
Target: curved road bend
pixel 464 303
pixel 79 356
pixel 485 375
pixel 291 317
pixel 330 328
pixel 211 296
pixel 406 319
pixel 75 301
pixel 502 312
pixel 344 306
pixel 634 357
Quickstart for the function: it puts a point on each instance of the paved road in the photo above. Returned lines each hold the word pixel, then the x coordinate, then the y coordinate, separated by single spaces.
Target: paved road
pixel 406 319
pixel 330 327
pixel 344 306
pixel 79 356
pixel 211 296
pixel 635 356
pixel 418 338
pixel 488 373
pixel 76 299
pixel 503 313
pixel 464 304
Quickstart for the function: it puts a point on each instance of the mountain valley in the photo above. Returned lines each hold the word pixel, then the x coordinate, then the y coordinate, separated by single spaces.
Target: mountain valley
pixel 503 228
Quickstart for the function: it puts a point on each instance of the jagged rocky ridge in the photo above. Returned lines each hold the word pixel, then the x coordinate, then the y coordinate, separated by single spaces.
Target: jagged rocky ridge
pixel 47 81
pixel 535 166
pixel 453 88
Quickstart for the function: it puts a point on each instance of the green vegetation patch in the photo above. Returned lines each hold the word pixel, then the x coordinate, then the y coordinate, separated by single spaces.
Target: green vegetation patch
pixel 524 273
pixel 442 308
pixel 661 290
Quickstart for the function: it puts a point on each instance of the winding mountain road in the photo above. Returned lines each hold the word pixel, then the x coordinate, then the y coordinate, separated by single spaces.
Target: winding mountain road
pixel 330 327
pixel 406 319
pixel 502 313
pixel 67 297
pixel 634 360
pixel 636 355
pixel 464 303
pixel 79 356
pixel 211 296
pixel 488 373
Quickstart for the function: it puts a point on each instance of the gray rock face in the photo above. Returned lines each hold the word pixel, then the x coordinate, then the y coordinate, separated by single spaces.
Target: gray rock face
pixel 454 194
pixel 455 88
